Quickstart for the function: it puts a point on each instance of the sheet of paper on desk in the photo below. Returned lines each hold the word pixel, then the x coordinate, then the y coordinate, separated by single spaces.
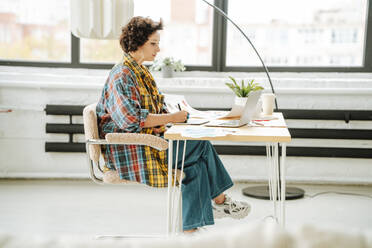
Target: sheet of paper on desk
pixel 271 121
pixel 205 132
pixel 175 102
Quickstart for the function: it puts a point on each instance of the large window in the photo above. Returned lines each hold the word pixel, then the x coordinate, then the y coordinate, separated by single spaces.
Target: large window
pixel 100 51
pixel 298 33
pixel 187 33
pixel 302 35
pixel 36 30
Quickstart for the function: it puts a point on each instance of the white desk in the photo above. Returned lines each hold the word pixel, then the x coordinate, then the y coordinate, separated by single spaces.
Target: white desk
pixel 273 133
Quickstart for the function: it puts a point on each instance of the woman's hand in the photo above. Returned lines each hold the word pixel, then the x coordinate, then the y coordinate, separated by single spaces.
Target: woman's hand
pixel 180 116
pixel 159 129
pixel 154 120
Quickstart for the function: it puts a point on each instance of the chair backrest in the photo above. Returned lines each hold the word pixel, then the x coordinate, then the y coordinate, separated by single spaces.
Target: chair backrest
pixel 91 130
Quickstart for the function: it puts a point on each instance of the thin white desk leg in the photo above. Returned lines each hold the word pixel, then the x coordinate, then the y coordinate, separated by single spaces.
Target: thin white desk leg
pixel 174 207
pixel 174 201
pixel 178 198
pixel 275 175
pixel 269 154
pixel 277 167
pixel 169 197
pixel 283 186
pixel 269 166
pixel 272 157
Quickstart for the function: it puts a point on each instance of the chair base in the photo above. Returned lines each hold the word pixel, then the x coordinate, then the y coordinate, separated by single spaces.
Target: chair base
pixel 263 192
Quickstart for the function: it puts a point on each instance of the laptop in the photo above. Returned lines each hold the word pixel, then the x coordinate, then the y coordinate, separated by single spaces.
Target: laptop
pixel 247 115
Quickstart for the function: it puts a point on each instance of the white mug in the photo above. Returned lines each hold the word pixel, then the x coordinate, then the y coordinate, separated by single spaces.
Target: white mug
pixel 268 100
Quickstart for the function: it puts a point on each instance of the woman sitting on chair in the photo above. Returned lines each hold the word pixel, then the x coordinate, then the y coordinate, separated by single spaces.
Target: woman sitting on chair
pixel 132 103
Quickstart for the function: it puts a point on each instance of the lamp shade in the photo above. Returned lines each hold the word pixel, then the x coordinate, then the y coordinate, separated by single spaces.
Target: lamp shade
pixel 100 19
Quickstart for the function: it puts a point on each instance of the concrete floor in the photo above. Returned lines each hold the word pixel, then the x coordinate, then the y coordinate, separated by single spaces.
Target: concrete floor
pixel 80 207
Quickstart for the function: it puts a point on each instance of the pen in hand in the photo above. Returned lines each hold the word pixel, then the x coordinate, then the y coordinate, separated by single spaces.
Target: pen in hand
pixel 188 115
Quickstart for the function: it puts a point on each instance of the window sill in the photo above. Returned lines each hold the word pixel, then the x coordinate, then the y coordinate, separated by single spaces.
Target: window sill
pixel 194 81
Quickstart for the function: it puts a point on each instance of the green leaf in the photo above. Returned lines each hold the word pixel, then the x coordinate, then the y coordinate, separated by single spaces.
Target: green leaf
pixel 238 93
pixel 245 92
pixel 232 79
pixel 230 86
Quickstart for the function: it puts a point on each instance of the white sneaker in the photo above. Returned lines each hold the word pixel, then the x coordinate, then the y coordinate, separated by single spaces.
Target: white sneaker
pixel 230 208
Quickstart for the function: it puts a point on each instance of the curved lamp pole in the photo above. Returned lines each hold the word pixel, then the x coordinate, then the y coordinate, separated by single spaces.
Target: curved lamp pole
pixel 254 48
pixel 261 192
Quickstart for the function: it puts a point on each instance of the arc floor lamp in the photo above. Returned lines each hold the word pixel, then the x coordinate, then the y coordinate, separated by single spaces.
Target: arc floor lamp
pixel 261 192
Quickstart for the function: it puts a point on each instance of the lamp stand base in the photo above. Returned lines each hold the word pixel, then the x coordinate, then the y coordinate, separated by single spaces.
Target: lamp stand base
pixel 262 192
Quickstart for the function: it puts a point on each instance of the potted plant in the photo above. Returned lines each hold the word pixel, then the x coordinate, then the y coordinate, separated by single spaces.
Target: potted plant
pixel 242 91
pixel 167 66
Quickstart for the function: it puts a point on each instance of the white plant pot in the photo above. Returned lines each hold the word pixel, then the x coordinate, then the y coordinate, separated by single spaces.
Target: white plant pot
pixel 167 71
pixel 240 101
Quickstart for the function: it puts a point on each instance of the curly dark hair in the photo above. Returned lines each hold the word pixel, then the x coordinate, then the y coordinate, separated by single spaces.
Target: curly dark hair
pixel 137 32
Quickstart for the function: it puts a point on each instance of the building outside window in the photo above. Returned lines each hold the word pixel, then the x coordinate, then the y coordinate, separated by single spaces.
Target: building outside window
pixel 36 30
pixel 306 33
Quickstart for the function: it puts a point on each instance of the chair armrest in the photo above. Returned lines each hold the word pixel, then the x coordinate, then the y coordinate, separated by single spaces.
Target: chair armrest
pixel 137 139
pixel 112 177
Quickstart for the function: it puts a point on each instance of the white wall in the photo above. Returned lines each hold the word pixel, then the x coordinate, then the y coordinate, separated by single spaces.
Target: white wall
pixel 26 91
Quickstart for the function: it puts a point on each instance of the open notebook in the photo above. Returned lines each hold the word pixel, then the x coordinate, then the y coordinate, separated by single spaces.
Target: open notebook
pixel 247 115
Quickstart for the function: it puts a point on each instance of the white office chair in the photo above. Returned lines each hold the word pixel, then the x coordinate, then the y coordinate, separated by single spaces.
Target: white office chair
pixel 93 150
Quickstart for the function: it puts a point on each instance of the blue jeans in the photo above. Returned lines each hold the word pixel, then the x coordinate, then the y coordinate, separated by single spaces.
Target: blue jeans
pixel 205 179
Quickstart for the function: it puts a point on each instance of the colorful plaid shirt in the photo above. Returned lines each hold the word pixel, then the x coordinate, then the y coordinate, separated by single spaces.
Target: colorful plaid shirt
pixel 128 96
